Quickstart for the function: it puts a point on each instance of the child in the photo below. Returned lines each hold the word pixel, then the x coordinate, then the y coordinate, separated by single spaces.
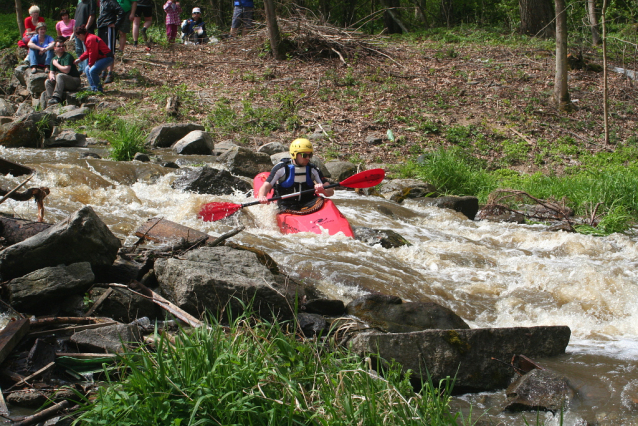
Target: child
pixel 172 19
pixel 194 29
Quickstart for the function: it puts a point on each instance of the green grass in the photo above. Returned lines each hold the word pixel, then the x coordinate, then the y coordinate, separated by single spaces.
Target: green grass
pixel 612 183
pixel 127 140
pixel 9 34
pixel 255 373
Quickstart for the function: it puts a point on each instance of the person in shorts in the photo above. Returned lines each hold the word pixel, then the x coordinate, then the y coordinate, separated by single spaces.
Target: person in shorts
pixel 144 11
pixel 130 8
pixel 111 17
pixel 242 17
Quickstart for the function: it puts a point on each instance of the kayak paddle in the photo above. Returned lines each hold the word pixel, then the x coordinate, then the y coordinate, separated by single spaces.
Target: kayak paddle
pixel 213 212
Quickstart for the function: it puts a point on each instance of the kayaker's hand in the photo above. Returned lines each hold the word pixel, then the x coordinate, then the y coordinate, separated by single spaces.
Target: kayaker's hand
pixel 263 199
pixel 319 189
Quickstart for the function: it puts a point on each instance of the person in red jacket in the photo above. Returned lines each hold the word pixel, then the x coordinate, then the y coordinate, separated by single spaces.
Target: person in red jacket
pixel 98 54
pixel 30 23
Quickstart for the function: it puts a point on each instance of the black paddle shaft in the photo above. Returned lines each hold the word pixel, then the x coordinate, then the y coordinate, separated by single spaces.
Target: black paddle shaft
pixel 296 194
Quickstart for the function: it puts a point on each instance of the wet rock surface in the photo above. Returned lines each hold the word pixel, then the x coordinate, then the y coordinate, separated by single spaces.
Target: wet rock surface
pixel 543 390
pixel 206 180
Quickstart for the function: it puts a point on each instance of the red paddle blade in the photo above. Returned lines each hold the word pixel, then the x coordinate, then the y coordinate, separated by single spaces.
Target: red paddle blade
pixel 212 212
pixel 365 179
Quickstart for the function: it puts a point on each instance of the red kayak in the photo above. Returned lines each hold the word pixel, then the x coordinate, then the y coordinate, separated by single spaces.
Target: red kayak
pixel 327 218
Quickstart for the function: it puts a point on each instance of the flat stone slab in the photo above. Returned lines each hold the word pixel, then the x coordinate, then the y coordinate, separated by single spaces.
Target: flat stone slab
pixel 464 354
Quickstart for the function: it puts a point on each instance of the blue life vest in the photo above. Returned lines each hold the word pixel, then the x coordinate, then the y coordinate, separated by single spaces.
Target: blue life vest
pixel 289 179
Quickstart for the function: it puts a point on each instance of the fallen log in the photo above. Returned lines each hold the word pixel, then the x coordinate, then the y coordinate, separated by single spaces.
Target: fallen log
pixel 99 301
pixel 41 322
pixel 43 415
pixel 14 169
pixel 37 373
pixel 15 230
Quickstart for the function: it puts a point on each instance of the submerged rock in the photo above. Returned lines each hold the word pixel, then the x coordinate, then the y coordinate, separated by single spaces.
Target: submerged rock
pixel 386 237
pixel 466 205
pixel 398 190
pixel 543 390
pixel 206 180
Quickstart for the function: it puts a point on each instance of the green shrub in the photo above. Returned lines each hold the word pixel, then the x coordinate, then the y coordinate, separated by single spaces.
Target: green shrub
pixel 127 140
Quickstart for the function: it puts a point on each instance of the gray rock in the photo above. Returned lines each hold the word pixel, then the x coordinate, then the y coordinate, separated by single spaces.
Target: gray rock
pixel 245 162
pixel 25 108
pixel 206 180
pixel 59 109
pixel 276 158
pixel 6 109
pixel 312 324
pixel 466 205
pixel 170 164
pixel 74 115
pixel 35 83
pixel 272 148
pixel 340 170
pixel 20 73
pixel 165 135
pixel 464 354
pixel 374 139
pixel 390 314
pixel 124 306
pixel 398 190
pixel 196 142
pixel 316 136
pixel 27 131
pixel 90 155
pixel 82 237
pixel 223 147
pixel 116 338
pixel 216 278
pixel 542 390
pixel 72 98
pixel 122 271
pixel 386 237
pixel 326 307
pixel 66 138
pixel 42 102
pixel 29 398
pixel 139 156
pixel 40 289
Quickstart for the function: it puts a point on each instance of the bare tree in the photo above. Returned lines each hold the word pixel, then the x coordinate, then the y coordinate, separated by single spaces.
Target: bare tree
pixel 536 17
pixel 19 17
pixel 273 30
pixel 593 22
pixel 603 16
pixel 561 92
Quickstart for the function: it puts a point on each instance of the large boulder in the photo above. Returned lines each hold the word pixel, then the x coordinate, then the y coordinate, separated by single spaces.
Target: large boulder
pixel 466 205
pixel 216 278
pixel 27 131
pixel 20 73
pixel 206 180
pixel 165 135
pixel 341 170
pixel 386 237
pixel 399 189
pixel 74 114
pixel 272 148
pixel 6 109
pixel 245 162
pixel 390 314
pixel 35 83
pixel 543 390
pixel 117 338
pixel 469 355
pixel 25 108
pixel 65 138
pixel 82 237
pixel 196 142
pixel 42 289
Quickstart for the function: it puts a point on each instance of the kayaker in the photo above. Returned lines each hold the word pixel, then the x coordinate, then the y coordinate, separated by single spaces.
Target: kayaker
pixel 296 174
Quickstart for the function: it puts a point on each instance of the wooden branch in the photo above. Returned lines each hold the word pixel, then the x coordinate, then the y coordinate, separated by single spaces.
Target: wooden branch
pixel 226 236
pixel 71 329
pixel 98 302
pixel 43 415
pixel 40 322
pixel 4 411
pixel 37 373
pixel 3 199
pixel 11 335
pixel 85 355
pixel 340 56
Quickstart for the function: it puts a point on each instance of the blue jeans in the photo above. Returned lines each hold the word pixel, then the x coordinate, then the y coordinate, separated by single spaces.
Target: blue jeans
pixel 79 49
pixel 93 73
pixel 36 59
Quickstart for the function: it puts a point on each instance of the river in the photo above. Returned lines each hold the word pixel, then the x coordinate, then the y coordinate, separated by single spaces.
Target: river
pixel 491 274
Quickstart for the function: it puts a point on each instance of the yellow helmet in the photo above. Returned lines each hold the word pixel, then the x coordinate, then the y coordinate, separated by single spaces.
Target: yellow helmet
pixel 300 145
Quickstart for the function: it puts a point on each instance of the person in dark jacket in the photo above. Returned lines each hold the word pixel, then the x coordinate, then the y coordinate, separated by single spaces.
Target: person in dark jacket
pixel 194 29
pixel 111 16
pixel 97 53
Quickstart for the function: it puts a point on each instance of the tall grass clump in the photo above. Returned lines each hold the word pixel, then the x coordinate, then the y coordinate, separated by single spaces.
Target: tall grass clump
pixel 127 140
pixel 254 373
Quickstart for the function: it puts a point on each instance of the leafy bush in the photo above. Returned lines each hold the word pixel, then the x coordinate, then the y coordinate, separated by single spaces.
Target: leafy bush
pixel 254 373
pixel 128 139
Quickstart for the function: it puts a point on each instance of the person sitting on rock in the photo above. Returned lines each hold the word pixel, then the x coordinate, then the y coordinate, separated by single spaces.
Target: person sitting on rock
pixel 63 75
pixel 30 22
pixel 65 26
pixel 296 174
pixel 194 28
pixel 98 54
pixel 40 48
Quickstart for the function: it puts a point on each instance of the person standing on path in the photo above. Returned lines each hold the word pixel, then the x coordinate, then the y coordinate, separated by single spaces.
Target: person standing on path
pixel 63 74
pixel 130 8
pixel 111 16
pixel 172 19
pixel 98 55
pixel 144 11
pixel 242 17
pixel 85 15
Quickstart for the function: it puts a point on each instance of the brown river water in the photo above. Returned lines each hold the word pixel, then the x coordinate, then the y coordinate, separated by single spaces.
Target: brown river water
pixel 491 274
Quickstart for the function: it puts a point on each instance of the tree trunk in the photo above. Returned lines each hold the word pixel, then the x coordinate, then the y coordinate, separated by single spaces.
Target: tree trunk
pixel 561 93
pixel 536 18
pixel 420 7
pixel 603 18
pixel 392 19
pixel 273 30
pixel 593 22
pixel 19 17
pixel 447 12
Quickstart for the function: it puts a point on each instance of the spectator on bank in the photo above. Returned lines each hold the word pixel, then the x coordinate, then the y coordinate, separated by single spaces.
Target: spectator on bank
pixel 242 17
pixel 63 74
pixel 194 29
pixel 30 23
pixel 172 10
pixel 98 55
pixel 111 17
pixel 66 26
pixel 85 15
pixel 144 11
pixel 130 8
pixel 40 48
